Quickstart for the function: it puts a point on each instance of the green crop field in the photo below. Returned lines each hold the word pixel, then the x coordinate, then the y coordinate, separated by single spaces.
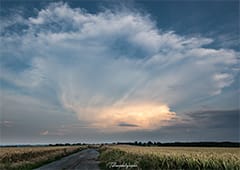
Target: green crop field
pixel 137 157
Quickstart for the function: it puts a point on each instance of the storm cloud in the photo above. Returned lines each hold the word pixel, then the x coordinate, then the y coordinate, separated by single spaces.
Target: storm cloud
pixel 110 71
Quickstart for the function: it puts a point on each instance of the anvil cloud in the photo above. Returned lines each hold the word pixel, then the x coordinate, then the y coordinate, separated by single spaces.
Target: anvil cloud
pixel 114 69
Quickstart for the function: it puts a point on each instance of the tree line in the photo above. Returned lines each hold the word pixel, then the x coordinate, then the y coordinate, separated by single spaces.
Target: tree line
pixel 190 144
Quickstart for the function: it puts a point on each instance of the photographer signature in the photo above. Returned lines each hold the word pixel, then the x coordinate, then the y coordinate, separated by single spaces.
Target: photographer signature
pixel 123 165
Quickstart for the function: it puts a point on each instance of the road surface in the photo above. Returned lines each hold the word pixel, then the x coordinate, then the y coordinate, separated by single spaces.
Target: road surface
pixel 83 160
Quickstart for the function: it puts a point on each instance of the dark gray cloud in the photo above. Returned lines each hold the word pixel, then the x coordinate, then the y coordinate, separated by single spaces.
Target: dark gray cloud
pixel 216 118
pixel 127 125
pixel 208 125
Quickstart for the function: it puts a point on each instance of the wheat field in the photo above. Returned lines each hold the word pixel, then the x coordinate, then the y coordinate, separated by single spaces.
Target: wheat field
pixel 172 157
pixel 30 157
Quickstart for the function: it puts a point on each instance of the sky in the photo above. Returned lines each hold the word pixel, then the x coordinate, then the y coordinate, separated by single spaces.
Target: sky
pixel 108 71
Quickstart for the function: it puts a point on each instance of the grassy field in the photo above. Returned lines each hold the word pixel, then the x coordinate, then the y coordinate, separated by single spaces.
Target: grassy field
pixel 137 157
pixel 23 158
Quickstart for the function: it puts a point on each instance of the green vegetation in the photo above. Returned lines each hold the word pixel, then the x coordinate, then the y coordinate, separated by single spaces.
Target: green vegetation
pixel 169 158
pixel 25 158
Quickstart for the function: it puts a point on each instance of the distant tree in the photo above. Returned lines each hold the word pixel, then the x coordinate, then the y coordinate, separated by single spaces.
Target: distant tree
pixel 149 143
pixel 67 144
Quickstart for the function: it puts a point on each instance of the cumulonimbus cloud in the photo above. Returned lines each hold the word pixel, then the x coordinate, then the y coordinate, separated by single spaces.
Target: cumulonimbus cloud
pixel 126 116
pixel 111 68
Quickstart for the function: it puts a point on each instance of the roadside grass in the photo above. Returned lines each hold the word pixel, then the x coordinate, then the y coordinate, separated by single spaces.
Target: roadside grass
pixel 169 158
pixel 26 158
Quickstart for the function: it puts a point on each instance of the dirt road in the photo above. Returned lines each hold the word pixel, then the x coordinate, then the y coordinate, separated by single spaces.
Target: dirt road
pixel 83 160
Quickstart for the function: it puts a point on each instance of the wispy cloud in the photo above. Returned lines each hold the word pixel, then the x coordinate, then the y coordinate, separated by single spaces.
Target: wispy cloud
pixel 44 133
pixel 6 123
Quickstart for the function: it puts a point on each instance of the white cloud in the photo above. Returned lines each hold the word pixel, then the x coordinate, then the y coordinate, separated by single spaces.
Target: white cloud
pixel 44 133
pixel 13 19
pixel 222 80
pixel 98 62
pixel 6 123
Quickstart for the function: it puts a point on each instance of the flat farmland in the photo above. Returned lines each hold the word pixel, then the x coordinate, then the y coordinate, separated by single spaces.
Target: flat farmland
pixel 139 157
pixel 32 157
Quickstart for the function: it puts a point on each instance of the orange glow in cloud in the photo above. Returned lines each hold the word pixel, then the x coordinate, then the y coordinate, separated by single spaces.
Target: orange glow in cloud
pixel 124 117
pixel 134 116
